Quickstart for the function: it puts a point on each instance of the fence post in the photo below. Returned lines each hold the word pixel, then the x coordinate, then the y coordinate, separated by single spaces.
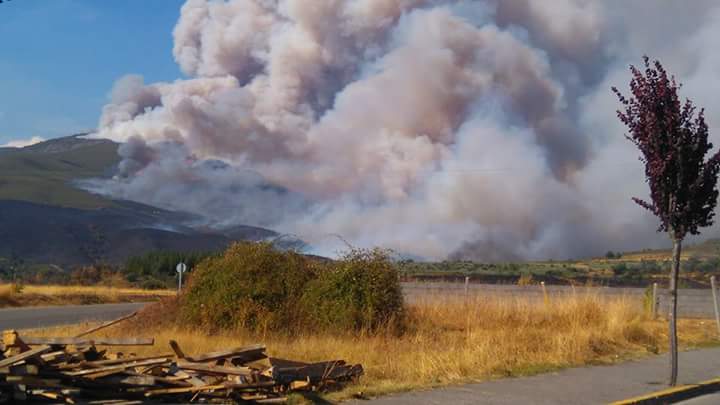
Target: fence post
pixel 545 295
pixel 655 302
pixel 715 301
pixel 467 285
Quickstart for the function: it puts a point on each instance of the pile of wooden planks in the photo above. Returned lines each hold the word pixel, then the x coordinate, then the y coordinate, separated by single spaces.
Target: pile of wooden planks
pixel 75 370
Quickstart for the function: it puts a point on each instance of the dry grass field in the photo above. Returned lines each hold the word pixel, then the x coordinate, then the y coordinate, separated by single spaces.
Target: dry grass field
pixel 454 341
pixel 33 295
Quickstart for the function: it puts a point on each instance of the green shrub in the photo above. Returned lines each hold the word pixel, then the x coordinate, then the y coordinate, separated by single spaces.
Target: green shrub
pixel 254 287
pixel 251 286
pixel 361 291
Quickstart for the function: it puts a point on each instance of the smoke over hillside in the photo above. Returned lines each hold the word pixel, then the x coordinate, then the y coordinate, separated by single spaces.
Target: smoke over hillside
pixel 470 129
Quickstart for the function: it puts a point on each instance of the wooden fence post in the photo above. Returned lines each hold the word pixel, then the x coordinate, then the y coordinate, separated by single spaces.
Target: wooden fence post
pixel 715 301
pixel 467 284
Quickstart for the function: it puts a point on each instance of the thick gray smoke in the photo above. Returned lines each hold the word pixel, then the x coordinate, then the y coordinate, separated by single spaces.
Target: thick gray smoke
pixel 473 129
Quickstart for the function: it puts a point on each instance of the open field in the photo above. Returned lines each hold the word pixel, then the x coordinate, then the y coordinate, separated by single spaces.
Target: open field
pixel 620 269
pixel 456 341
pixel 34 295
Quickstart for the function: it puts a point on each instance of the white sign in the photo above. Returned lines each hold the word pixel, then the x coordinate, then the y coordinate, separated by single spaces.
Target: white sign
pixel 181 268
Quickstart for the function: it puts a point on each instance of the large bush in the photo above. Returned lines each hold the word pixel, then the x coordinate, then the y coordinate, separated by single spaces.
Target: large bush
pixel 253 286
pixel 360 291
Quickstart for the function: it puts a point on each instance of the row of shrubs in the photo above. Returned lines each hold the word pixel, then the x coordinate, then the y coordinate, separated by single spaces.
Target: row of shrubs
pixel 255 287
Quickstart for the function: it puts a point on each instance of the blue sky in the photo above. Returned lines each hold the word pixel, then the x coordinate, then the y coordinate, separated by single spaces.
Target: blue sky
pixel 59 59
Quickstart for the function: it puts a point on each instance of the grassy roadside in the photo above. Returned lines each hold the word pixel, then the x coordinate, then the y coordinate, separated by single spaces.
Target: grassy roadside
pixel 35 295
pixel 453 341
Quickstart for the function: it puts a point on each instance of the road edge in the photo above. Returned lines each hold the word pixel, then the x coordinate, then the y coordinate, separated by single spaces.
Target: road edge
pixel 675 394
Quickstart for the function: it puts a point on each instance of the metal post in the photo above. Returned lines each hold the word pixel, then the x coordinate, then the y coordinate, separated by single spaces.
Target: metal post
pixel 715 301
pixel 655 301
pixel 179 281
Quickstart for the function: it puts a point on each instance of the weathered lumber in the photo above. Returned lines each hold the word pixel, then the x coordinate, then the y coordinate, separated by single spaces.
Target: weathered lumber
pixel 72 369
pixel 243 354
pixel 317 372
pixel 123 366
pixel 24 356
pixel 276 362
pixel 176 349
pixel 90 342
pixel 11 339
pixel 186 365
pixel 106 324
pixel 102 363
pixel 251 353
pixel 33 381
pixel 193 380
pixel 21 369
pixel 214 387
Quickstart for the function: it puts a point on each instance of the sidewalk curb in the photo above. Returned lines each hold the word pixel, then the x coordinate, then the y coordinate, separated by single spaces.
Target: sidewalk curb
pixel 675 394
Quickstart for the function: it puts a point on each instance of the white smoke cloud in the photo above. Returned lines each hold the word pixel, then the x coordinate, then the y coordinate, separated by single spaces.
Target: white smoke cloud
pixel 463 128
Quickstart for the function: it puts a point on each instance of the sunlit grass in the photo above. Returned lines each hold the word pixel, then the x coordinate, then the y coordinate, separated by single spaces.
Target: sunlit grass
pixel 452 341
pixel 29 295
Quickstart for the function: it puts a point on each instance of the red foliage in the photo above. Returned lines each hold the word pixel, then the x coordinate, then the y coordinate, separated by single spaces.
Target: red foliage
pixel 673 141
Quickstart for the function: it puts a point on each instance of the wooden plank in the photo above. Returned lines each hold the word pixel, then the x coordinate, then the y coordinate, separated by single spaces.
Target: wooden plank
pixel 176 348
pixel 215 387
pixel 282 363
pixel 11 338
pixel 317 372
pixel 193 380
pixel 240 352
pixel 106 324
pixel 20 369
pixel 102 363
pixel 165 380
pixel 34 381
pixel 24 356
pixel 123 366
pixel 90 342
pixel 207 368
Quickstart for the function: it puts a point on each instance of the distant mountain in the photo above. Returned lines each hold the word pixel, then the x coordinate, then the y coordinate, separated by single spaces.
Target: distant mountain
pixel 45 219
pixel 44 172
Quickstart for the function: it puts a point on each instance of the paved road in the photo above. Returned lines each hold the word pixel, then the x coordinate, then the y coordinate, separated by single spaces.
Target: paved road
pixel 587 385
pixel 36 317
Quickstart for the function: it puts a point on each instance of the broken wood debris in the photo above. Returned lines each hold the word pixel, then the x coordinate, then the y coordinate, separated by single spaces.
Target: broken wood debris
pixel 73 370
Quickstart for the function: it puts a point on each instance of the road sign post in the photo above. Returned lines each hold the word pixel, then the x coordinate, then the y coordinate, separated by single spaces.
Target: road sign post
pixel 181 268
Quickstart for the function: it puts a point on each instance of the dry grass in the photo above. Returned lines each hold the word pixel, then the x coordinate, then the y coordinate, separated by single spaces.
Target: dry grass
pixel 453 341
pixel 33 295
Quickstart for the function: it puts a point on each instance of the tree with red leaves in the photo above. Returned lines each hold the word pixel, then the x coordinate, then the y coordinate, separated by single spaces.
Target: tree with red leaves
pixel 673 142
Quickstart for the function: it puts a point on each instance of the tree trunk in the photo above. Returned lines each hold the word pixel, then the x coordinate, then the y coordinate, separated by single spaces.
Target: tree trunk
pixel 674 271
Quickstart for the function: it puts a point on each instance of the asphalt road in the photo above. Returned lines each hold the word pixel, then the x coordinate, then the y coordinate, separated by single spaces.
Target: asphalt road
pixel 37 317
pixel 585 385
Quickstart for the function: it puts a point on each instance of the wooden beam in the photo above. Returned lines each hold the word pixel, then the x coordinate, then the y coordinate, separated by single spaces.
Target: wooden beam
pixel 216 387
pixel 128 364
pixel 106 324
pixel 24 356
pixel 253 351
pixel 89 342
pixel 102 363
pixel 186 365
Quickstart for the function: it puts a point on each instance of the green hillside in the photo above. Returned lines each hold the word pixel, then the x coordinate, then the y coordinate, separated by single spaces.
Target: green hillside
pixel 43 173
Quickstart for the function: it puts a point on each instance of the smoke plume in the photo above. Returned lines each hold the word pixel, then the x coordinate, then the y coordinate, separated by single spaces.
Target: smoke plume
pixel 439 128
